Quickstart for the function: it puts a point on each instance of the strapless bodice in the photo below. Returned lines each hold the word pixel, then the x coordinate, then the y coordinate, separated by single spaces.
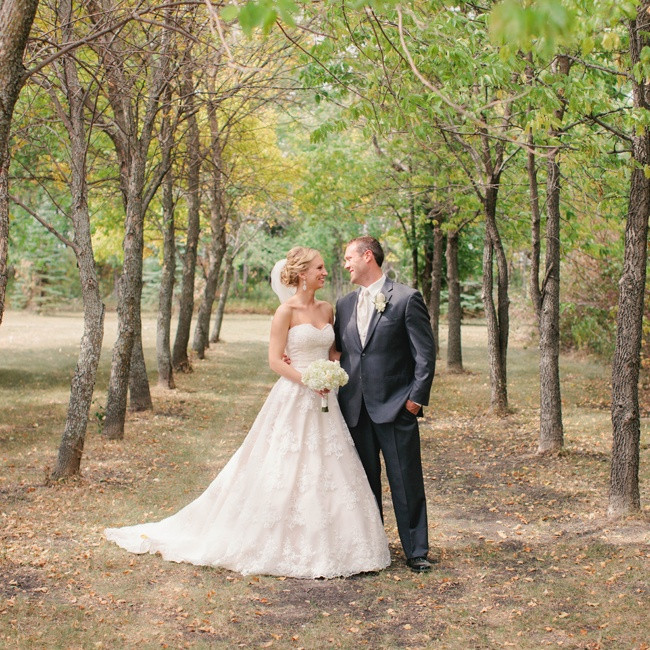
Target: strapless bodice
pixel 306 343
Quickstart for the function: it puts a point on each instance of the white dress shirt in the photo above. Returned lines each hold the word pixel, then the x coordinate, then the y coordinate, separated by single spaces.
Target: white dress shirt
pixel 366 306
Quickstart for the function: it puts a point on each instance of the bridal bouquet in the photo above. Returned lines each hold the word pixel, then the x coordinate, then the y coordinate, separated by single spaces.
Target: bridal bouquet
pixel 324 375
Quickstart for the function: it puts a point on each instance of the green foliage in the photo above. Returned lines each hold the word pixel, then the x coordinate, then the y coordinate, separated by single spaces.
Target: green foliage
pixel 43 271
pixel 542 24
pixel 587 327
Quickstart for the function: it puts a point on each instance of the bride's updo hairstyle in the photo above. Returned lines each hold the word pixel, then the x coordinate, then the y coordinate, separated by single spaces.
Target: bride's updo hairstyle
pixel 298 260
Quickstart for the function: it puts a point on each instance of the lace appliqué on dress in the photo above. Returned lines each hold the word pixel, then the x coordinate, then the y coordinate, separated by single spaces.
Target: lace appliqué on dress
pixel 293 500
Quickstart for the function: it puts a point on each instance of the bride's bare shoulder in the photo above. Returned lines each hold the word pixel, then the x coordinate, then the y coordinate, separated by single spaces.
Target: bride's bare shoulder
pixel 325 307
pixel 283 312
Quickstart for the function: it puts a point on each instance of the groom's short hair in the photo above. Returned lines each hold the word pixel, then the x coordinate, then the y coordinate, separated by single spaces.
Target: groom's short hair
pixel 367 243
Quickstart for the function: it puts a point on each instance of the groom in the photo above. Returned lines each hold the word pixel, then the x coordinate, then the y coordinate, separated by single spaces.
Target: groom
pixel 386 343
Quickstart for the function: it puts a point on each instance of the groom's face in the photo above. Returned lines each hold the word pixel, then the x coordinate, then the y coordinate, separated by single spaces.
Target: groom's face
pixel 356 264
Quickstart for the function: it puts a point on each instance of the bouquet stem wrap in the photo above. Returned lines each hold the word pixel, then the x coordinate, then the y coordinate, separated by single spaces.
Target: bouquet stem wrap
pixel 323 374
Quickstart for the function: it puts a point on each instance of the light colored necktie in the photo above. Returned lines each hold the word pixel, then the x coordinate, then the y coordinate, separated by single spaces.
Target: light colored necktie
pixel 363 314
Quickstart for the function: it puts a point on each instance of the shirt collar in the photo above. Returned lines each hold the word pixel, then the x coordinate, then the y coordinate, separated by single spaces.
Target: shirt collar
pixel 373 289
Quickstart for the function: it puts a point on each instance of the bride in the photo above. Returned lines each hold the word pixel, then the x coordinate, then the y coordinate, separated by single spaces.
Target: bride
pixel 294 499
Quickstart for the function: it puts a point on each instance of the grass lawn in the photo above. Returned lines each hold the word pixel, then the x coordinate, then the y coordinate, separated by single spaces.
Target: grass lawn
pixel 527 557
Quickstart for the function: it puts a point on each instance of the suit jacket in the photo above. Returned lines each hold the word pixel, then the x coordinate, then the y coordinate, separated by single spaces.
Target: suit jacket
pixel 397 361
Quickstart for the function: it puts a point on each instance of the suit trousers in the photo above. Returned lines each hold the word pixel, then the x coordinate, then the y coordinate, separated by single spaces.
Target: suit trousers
pixel 399 442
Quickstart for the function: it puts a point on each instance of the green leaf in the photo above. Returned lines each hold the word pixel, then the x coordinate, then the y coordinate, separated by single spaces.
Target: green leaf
pixel 269 20
pixel 287 9
pixel 230 12
pixel 587 46
pixel 611 40
pixel 251 15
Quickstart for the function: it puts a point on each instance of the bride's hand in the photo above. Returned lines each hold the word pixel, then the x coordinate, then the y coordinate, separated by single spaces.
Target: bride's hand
pixel 323 392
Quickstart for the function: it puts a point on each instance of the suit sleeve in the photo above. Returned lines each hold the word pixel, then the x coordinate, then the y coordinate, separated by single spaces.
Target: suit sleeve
pixel 337 326
pixel 423 348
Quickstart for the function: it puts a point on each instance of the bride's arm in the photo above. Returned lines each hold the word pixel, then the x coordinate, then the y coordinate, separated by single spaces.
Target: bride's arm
pixel 277 343
pixel 334 354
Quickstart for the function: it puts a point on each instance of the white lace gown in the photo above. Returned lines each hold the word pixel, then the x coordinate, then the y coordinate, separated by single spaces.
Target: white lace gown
pixel 292 501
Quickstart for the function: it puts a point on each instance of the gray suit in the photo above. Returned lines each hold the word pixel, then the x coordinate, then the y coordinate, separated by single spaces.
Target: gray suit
pixel 396 363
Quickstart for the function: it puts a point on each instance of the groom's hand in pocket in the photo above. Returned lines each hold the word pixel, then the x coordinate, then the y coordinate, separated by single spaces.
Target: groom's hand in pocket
pixel 412 407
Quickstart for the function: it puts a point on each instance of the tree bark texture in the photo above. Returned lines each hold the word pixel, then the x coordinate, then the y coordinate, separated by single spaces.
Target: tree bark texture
pixel 180 358
pixel 83 381
pixel 218 244
pixel 428 227
pixel 217 251
pixel 139 391
pixel 454 311
pixel 128 311
pixel 16 18
pixel 551 431
pixel 166 292
pixel 134 112
pixel 624 497
pixel 497 316
pixel 436 285
pixel 221 307
pixel 535 227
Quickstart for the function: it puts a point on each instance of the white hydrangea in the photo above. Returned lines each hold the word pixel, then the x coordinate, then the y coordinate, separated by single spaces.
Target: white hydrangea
pixel 323 374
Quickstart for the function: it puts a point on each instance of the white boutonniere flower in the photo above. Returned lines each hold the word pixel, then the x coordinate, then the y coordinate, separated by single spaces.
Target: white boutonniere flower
pixel 380 302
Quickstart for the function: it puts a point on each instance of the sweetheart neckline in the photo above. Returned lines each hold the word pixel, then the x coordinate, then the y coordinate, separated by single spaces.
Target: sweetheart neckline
pixel 320 329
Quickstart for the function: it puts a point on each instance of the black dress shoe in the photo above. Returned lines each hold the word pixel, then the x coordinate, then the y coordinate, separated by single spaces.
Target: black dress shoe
pixel 418 564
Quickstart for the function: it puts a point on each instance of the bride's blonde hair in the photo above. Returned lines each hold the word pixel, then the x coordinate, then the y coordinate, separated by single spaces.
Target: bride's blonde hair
pixel 298 260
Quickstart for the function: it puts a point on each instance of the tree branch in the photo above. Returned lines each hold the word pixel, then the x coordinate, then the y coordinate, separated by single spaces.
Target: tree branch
pixel 44 223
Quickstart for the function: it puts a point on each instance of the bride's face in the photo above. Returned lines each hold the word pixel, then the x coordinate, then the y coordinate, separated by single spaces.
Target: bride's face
pixel 316 273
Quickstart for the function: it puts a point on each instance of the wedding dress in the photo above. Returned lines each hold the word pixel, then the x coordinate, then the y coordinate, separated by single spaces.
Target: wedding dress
pixel 292 501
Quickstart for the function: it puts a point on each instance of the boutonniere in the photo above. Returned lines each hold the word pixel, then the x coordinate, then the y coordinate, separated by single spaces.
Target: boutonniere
pixel 380 302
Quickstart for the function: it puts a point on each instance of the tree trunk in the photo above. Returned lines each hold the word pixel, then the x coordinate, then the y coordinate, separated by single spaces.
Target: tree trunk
pixel 139 392
pixel 624 495
pixel 244 278
pixel 336 272
pixel 454 311
pixel 497 316
pixel 218 222
pixel 83 381
pixel 131 129
pixel 217 250
pixel 436 285
pixel 413 240
pixel 128 312
pixel 551 433
pixel 166 293
pixel 16 18
pixel 535 228
pixel 221 307
pixel 428 253
pixel 180 359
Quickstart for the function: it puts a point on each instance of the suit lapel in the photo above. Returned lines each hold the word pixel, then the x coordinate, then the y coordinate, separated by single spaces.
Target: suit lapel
pixel 351 328
pixel 387 290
